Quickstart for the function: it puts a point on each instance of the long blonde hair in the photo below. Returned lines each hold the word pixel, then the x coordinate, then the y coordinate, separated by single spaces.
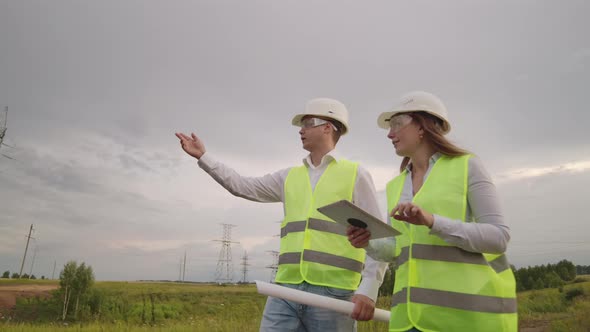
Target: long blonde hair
pixel 433 133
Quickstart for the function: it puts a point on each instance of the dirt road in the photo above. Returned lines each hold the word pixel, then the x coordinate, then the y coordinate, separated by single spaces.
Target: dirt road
pixel 9 294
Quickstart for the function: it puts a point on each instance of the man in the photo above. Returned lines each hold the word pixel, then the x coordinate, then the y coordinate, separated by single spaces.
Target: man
pixel 315 254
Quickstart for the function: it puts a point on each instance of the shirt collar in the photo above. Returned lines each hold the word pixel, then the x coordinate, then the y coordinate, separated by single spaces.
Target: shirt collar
pixel 436 156
pixel 326 159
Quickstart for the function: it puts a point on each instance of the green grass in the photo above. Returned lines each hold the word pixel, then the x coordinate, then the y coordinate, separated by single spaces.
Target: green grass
pixel 144 306
pixel 12 282
pixel 135 306
pixel 564 309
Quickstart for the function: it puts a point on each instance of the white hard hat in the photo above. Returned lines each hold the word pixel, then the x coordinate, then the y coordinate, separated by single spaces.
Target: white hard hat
pixel 327 108
pixel 418 101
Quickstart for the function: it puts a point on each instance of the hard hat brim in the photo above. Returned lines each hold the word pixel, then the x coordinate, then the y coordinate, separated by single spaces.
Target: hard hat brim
pixel 297 120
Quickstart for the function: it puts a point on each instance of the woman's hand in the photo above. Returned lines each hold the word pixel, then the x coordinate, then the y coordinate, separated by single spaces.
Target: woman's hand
pixel 358 237
pixel 413 214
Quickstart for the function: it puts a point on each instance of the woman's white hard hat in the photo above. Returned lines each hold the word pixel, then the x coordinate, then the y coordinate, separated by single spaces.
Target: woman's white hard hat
pixel 417 101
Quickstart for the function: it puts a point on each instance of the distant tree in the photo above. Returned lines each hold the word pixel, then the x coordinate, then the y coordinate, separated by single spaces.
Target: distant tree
pixel 66 282
pixel 552 280
pixel 566 270
pixel 582 269
pixel 84 280
pixel 42 277
pixel 33 277
pixel 6 275
pixel 15 275
pixel 24 276
pixel 75 282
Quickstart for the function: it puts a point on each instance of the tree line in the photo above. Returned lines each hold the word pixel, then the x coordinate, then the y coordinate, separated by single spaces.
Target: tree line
pixel 7 275
pixel 583 269
pixel 527 278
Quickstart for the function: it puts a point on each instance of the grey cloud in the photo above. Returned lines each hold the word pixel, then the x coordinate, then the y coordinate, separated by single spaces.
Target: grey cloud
pixel 111 85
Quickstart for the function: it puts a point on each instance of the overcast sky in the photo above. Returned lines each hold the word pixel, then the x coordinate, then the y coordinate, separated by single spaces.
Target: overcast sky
pixel 96 90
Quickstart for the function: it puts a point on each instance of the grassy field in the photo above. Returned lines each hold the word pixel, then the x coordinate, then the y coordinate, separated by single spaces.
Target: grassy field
pixel 564 309
pixel 143 306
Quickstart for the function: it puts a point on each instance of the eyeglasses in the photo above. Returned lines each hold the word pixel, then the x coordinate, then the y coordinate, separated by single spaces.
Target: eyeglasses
pixel 398 122
pixel 314 122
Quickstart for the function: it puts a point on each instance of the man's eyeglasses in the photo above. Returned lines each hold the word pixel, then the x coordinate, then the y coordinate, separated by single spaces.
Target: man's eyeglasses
pixel 314 122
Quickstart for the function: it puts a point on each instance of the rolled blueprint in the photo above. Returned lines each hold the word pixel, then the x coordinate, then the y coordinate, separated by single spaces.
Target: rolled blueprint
pixel 314 300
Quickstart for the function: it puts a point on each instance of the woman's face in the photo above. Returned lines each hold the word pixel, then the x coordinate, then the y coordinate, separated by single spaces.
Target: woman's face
pixel 404 134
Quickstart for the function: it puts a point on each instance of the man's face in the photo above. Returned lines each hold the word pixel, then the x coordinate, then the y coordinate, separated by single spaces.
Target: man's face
pixel 314 131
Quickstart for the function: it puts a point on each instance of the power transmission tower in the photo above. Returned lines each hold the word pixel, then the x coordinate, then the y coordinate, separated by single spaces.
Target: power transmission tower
pixel 3 123
pixel 245 267
pixel 22 265
pixel 3 128
pixel 275 264
pixel 224 263
pixel 53 273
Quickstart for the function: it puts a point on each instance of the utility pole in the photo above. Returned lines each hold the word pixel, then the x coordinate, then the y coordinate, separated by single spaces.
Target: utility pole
pixel 184 266
pixel 180 270
pixel 245 267
pixel 224 263
pixel 33 262
pixel 22 265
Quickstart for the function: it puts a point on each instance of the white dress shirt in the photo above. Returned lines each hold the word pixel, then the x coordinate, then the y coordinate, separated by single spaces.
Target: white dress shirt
pixel 270 188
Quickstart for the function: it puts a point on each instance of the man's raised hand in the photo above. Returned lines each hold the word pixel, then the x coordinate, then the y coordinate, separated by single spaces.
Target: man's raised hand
pixel 191 145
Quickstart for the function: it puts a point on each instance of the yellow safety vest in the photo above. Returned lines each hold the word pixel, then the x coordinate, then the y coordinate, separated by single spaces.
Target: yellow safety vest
pixel 314 248
pixel 440 287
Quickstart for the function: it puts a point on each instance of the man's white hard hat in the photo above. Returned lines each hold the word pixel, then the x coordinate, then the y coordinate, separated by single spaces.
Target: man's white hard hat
pixel 325 108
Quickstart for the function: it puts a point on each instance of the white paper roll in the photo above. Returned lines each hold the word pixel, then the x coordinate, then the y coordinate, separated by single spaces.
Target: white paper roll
pixel 315 300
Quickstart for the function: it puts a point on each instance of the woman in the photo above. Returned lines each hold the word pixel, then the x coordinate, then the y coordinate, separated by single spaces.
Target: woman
pixel 452 274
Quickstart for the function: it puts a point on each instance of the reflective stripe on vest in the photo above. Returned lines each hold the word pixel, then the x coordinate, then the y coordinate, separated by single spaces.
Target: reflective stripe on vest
pixel 317 224
pixel 313 247
pixel 490 304
pixel 451 254
pixel 439 287
pixel 323 258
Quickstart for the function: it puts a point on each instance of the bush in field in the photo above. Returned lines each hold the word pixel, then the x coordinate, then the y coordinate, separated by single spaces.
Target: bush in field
pixel 573 293
pixel 14 275
pixel 552 280
pixel 6 274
